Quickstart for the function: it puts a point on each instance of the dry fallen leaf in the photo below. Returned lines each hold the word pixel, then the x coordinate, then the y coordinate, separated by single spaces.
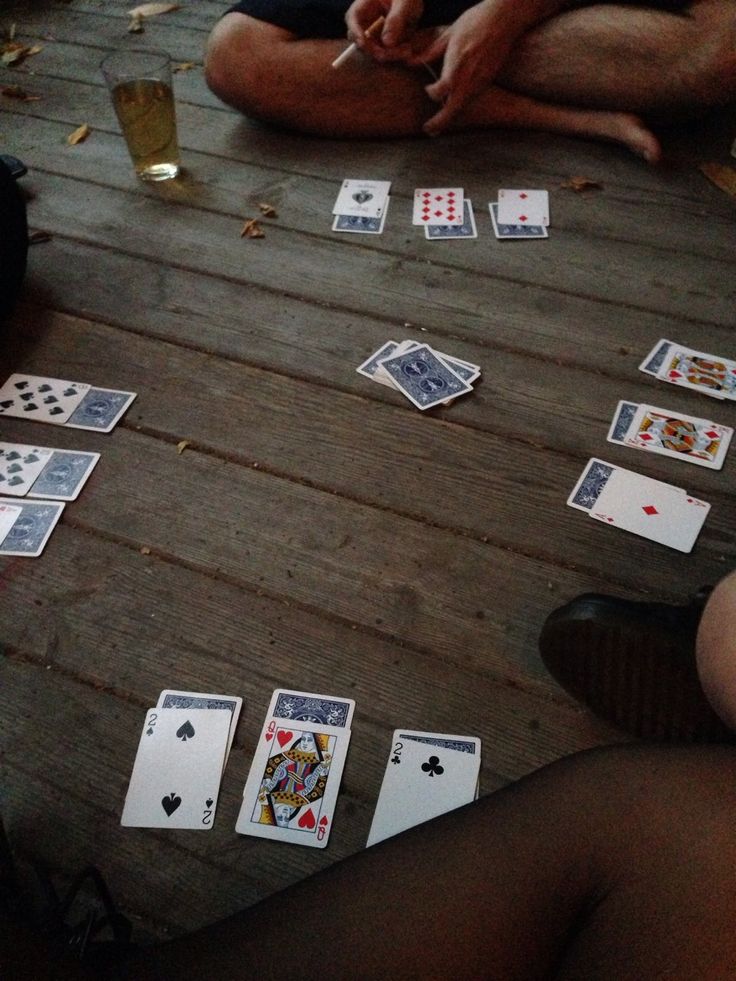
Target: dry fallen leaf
pixel 136 25
pixel 152 9
pixel 16 92
pixel 79 135
pixel 13 52
pixel 184 66
pixel 145 550
pixel 38 236
pixel 579 184
pixel 34 50
pixel 181 446
pixel 720 175
pixel 268 210
pixel 251 229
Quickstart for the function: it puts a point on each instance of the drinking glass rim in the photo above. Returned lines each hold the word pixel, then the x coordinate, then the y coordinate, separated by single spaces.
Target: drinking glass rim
pixel 163 62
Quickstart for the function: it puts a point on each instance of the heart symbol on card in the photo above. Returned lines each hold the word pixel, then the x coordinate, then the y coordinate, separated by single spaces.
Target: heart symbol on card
pixel 283 737
pixel 170 803
pixel 269 737
pixel 324 820
pixel 307 820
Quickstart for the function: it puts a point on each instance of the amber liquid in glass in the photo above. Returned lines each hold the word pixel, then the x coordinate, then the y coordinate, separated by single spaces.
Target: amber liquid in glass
pixel 145 108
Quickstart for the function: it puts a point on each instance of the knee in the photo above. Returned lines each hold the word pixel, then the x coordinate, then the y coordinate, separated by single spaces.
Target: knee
pixel 716 650
pixel 708 62
pixel 234 61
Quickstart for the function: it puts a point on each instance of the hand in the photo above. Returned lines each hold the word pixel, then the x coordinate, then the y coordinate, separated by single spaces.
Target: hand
pixel 392 43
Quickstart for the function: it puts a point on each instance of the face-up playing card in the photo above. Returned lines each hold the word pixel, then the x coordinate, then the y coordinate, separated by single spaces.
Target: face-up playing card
pixel 292 787
pixel 100 410
pixel 651 509
pixel 304 706
pixel 465 230
pixel 177 770
pixel 424 378
pixel 8 515
pixel 41 399
pixel 64 475
pixel 232 704
pixel 361 224
pixel 676 435
pixel 523 207
pixel 704 373
pixel 31 529
pixel 438 206
pixel 511 232
pixel 362 198
pixel 427 774
pixel 20 465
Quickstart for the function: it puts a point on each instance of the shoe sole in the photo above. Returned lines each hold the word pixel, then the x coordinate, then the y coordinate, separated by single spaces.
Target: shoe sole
pixel 632 667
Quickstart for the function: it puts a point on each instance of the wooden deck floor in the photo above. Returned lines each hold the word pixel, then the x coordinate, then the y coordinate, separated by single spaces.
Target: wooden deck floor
pixel 317 531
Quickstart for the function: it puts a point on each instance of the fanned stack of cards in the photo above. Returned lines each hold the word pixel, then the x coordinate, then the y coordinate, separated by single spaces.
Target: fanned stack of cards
pixel 644 506
pixel 645 427
pixel 181 757
pixel 520 214
pixel 40 471
pixel 63 403
pixel 427 774
pixel 688 368
pixel 425 376
pixel 361 206
pixel 444 212
pixel 291 790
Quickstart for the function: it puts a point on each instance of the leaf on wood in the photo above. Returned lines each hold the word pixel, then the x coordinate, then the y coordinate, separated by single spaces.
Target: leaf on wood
pixel 79 135
pixel 184 66
pixel 34 50
pixel 720 175
pixel 16 92
pixel 38 236
pixel 267 210
pixel 152 9
pixel 580 184
pixel 145 550
pixel 13 52
pixel 181 446
pixel 251 229
pixel 136 25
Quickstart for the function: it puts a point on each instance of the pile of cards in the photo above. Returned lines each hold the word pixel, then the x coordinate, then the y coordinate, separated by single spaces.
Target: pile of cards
pixel 688 368
pixel 25 526
pixel 520 214
pixel 361 206
pixel 425 376
pixel 645 427
pixel 646 507
pixel 63 403
pixel 291 790
pixel 181 757
pixel 40 471
pixel 427 774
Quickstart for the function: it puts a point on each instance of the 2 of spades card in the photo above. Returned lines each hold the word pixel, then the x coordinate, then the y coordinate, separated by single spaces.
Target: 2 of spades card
pixel 177 770
pixel 293 783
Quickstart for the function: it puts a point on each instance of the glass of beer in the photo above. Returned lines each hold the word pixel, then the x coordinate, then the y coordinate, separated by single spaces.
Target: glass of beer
pixel 140 86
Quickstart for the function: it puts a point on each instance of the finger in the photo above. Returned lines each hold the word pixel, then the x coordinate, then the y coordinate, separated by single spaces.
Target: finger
pixel 438 91
pixel 401 21
pixel 442 119
pixel 433 51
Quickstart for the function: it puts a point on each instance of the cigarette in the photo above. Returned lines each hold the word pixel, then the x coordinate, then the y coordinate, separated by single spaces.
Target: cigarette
pixel 352 48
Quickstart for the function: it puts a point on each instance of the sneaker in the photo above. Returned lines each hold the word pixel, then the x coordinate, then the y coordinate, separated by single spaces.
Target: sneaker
pixel 633 664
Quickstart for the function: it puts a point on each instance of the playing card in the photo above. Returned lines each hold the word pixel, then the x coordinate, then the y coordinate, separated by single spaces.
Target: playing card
pixel 362 198
pixel 438 206
pixel 696 370
pixel 101 409
pixel 20 465
pixel 423 377
pixel 169 699
pixel 8 514
pixel 466 230
pixel 672 434
pixel 523 207
pixel 32 527
pixel 371 364
pixel 64 475
pixel 304 706
pixel 427 774
pixel 41 399
pixel 361 224
pixel 509 232
pixel 651 509
pixel 177 770
pixel 654 360
pixel 292 786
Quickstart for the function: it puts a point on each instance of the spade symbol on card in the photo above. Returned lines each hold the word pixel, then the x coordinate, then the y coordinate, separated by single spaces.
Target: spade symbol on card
pixel 21 385
pixel 432 766
pixel 360 197
pixel 209 802
pixel 31 458
pixel 56 411
pixel 30 407
pixel 50 399
pixel 170 803
pixel 70 391
pixel 7 403
pixel 307 819
pixel 26 395
pixel 185 731
pixel 149 731
pixel 14 468
pixel 44 388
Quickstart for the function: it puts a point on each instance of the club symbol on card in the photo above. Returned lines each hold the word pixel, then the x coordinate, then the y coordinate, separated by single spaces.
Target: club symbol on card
pixel 185 731
pixel 432 767
pixel 396 759
pixel 170 803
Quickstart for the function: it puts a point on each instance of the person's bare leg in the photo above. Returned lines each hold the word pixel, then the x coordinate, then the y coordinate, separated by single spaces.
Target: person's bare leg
pixel 630 58
pixel 612 864
pixel 716 650
pixel 269 74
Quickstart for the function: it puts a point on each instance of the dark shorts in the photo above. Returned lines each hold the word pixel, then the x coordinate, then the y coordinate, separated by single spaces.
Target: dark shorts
pixel 326 18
